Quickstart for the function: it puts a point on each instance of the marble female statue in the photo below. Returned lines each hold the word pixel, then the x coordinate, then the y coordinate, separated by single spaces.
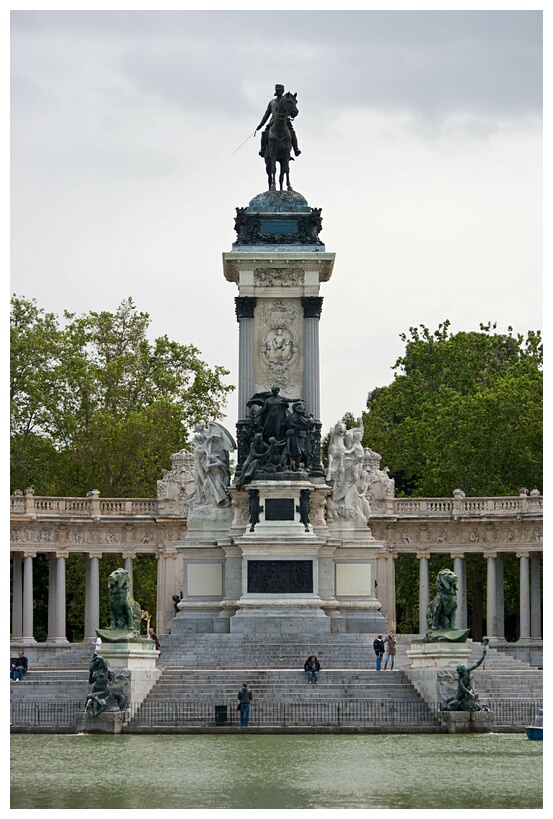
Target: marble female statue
pixel 348 471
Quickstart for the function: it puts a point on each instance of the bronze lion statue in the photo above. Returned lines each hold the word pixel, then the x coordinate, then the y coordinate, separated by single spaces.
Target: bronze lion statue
pixel 124 611
pixel 442 609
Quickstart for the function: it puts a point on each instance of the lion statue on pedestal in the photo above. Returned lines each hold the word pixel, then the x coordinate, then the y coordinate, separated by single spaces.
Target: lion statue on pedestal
pixel 124 612
pixel 442 609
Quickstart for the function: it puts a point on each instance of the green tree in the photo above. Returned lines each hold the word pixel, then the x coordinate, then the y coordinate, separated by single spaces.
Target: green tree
pixel 96 405
pixel 464 410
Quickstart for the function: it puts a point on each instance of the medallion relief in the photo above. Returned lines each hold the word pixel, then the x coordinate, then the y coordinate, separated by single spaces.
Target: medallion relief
pixel 279 341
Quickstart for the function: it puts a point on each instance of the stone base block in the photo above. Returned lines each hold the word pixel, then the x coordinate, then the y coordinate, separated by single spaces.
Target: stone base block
pixel 365 622
pixel 468 722
pixel 285 620
pixel 109 722
pixel 192 621
pixel 438 655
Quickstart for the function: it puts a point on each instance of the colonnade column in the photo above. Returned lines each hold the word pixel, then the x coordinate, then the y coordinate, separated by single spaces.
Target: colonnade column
pixel 17 598
pixel 460 569
pixel 535 597
pixel 52 631
pixel 524 604
pixel 312 306
pixel 500 598
pixel 424 592
pixel 60 635
pixel 245 307
pixel 491 596
pixel 92 596
pixel 28 625
pixel 128 566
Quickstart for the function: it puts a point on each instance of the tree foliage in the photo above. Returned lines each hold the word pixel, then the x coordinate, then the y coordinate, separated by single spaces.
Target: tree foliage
pixel 96 405
pixel 464 411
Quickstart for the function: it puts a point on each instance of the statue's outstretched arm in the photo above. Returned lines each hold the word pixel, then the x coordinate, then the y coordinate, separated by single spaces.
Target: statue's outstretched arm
pixel 485 642
pixel 266 116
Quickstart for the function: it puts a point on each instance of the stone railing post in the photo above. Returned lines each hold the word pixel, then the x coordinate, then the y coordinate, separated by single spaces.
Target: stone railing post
pixel 94 495
pixel 29 500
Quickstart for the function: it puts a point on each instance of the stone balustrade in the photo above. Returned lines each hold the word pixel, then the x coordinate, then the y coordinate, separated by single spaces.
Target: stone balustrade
pixel 94 506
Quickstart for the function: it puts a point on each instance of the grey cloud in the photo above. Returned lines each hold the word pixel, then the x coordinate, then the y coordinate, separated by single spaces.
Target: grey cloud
pixel 484 64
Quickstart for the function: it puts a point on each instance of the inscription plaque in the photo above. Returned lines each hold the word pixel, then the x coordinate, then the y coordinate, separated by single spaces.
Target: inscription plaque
pixel 279 509
pixel 280 576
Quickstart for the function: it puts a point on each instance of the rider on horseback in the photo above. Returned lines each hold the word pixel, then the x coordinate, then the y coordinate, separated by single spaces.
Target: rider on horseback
pixel 270 112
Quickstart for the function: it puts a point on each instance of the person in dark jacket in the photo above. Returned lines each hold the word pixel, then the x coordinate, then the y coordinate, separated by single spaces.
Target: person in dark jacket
pixel 245 696
pixel 19 668
pixel 379 648
pixel 312 666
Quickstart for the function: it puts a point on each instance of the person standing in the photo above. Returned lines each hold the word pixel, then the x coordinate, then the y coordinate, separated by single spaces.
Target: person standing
pixel 97 643
pixel 379 648
pixel 312 667
pixel 245 696
pixel 19 668
pixel 153 636
pixel 391 641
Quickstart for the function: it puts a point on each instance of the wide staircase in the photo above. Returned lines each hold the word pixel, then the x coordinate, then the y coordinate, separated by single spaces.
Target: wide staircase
pixel 201 676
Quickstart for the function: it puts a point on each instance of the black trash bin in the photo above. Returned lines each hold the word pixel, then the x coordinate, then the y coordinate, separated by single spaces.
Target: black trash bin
pixel 221 717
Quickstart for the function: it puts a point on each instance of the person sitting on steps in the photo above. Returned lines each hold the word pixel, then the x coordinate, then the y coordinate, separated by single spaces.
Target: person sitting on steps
pixel 312 666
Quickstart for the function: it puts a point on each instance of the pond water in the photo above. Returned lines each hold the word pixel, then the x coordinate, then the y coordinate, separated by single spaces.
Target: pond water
pixel 252 771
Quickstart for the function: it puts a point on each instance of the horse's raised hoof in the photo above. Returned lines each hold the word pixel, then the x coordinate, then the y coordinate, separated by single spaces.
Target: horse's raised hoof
pixel 290 188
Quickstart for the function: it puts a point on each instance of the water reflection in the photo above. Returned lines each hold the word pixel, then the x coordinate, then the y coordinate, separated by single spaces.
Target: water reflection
pixel 249 771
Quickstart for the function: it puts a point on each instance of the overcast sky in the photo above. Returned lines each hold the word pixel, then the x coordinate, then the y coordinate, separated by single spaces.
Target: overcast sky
pixel 421 141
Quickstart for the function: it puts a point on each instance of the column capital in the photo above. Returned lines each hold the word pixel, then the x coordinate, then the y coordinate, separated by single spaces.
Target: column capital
pixel 244 306
pixel 421 555
pixel 59 555
pixel 522 554
pixel 460 555
pixel 489 554
pixel 128 555
pixel 92 555
pixel 312 306
pixel 29 554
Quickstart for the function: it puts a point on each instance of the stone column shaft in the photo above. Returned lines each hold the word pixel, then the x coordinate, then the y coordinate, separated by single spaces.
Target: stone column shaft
pixel 60 599
pixel 500 598
pixel 128 566
pixel 28 624
pixel 524 606
pixel 424 592
pixel 52 630
pixel 17 598
pixel 535 598
pixel 245 306
pixel 92 597
pixel 312 306
pixel 460 569
pixel 491 598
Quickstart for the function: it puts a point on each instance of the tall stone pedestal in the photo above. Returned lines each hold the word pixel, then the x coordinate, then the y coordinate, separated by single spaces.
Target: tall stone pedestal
pixel 135 660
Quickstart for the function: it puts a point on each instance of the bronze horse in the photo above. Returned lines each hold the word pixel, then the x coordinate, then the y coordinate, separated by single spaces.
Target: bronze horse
pixel 279 142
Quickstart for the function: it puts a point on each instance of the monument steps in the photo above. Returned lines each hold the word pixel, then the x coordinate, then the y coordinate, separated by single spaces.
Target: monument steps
pixel 212 667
